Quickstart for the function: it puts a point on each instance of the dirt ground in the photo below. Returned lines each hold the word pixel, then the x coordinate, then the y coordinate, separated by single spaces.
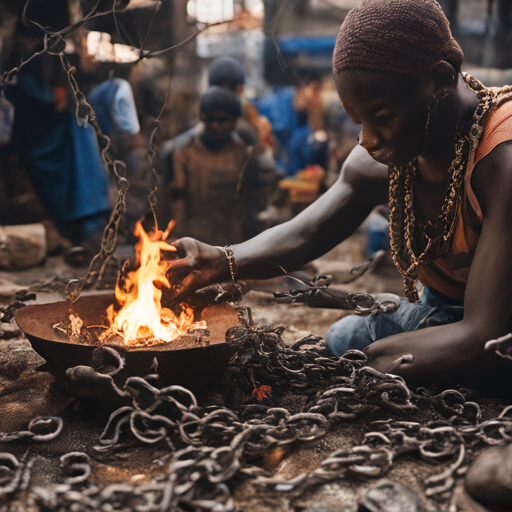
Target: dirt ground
pixel 26 393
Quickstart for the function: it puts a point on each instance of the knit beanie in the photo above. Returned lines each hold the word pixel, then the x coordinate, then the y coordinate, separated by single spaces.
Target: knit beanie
pixel 403 36
pixel 226 70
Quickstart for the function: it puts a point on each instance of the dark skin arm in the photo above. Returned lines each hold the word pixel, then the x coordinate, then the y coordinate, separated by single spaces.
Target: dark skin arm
pixel 458 349
pixel 331 219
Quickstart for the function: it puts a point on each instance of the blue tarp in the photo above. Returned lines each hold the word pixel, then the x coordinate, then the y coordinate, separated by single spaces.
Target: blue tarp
pixel 314 45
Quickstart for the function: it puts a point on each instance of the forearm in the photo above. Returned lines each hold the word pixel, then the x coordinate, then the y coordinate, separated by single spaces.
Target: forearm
pixel 328 221
pixel 439 354
pixel 274 252
pixel 315 231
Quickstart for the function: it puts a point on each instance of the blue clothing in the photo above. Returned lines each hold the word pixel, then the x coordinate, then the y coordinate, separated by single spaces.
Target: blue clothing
pixel 114 106
pixel 357 332
pixel 62 158
pixel 378 233
pixel 292 132
pixel 277 107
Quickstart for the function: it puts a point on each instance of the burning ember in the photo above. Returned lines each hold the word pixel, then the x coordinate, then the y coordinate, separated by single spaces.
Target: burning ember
pixel 142 320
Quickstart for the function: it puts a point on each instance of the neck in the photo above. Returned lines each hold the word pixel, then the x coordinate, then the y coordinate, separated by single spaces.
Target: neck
pixel 453 114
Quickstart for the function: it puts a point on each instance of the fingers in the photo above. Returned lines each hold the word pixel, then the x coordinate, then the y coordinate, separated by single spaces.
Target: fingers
pixel 204 297
pixel 185 247
pixel 180 267
pixel 194 268
pixel 177 266
pixel 181 291
pixel 178 270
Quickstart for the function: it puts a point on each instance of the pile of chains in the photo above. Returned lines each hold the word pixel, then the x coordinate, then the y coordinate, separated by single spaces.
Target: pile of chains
pixel 211 447
pixel 318 293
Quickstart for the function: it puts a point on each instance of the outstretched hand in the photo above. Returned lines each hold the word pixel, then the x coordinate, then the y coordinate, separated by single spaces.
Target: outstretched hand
pixel 197 266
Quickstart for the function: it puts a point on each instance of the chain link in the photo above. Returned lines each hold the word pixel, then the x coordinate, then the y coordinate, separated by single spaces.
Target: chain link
pixel 211 445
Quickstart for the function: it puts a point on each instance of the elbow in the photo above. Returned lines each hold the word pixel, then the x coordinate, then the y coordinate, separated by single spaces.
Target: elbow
pixel 473 358
pixel 481 329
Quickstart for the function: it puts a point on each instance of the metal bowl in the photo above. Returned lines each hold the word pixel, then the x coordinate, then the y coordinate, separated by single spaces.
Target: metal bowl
pixel 193 368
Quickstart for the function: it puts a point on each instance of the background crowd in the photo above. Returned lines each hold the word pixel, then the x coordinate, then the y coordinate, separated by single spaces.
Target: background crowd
pixel 251 129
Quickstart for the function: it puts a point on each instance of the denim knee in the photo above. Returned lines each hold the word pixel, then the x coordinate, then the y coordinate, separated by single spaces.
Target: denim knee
pixel 348 333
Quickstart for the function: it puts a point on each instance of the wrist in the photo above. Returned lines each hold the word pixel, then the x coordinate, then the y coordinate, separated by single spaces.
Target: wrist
pixel 228 254
pixel 220 267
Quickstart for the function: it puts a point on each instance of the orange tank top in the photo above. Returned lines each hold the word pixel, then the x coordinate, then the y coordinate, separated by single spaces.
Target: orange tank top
pixel 449 275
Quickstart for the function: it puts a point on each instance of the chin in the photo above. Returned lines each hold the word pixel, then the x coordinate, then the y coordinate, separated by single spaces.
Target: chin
pixel 394 158
pixel 386 159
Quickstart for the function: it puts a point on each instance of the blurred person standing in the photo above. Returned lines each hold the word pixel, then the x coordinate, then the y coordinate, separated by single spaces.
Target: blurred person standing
pixel 309 101
pixel 308 144
pixel 61 157
pixel 114 104
pixel 215 185
pixel 228 73
pixel 253 130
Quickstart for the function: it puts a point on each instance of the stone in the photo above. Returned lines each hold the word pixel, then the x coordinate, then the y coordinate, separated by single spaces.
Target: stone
pixel 25 392
pixel 464 502
pixel 22 246
pixel 489 479
pixel 8 331
pixel 389 496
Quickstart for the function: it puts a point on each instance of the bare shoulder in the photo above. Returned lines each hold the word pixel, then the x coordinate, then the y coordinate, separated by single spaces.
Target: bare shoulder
pixel 492 178
pixel 360 166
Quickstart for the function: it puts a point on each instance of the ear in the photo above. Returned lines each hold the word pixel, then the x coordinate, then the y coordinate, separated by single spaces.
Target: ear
pixel 202 117
pixel 445 79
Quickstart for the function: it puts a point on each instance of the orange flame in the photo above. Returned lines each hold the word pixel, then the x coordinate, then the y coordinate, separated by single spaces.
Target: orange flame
pixel 142 320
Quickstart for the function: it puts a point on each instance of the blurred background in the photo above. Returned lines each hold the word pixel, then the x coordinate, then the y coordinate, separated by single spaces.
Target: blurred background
pixel 251 128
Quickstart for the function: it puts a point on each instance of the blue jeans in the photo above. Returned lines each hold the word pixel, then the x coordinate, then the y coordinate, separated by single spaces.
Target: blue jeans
pixel 357 332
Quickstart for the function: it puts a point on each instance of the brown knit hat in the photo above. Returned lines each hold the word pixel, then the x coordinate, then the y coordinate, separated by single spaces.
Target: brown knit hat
pixel 404 36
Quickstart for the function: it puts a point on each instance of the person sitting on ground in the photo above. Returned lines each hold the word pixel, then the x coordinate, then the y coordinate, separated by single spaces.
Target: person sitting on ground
pixel 436 144
pixel 215 184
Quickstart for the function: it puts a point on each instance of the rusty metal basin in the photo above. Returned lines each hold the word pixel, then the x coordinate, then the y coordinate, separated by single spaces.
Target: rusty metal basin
pixel 194 368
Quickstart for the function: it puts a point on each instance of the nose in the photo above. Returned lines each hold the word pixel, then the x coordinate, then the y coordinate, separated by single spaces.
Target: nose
pixel 368 139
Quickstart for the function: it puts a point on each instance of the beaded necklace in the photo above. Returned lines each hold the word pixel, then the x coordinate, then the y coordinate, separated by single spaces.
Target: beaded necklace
pixel 437 236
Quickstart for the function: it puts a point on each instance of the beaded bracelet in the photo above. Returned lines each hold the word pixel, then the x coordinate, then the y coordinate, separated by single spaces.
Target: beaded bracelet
pixel 233 268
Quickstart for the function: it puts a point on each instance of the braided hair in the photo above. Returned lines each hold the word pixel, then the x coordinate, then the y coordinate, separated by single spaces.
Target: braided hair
pixel 402 36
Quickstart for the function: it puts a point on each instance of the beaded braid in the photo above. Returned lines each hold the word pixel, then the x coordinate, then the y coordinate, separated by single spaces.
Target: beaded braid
pixel 402 219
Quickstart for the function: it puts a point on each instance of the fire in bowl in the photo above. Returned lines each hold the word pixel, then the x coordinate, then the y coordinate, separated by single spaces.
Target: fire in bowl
pixel 194 360
pixel 88 342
